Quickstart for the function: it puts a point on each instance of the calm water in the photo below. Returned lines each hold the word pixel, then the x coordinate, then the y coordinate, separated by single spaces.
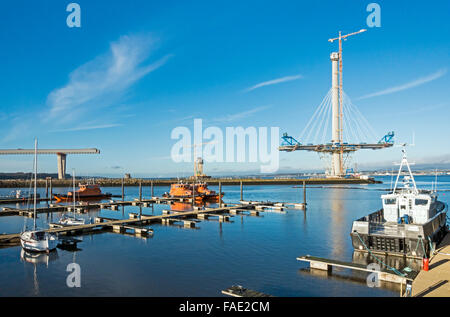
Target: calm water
pixel 256 252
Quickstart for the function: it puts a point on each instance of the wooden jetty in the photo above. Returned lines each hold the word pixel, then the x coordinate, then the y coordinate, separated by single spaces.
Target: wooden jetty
pixel 108 223
pixel 239 291
pixel 436 281
pixel 83 208
pixel 261 205
pixel 13 200
pixel 136 222
pixel 384 274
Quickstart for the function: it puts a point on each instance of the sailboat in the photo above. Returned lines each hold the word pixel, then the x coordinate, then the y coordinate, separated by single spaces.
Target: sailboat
pixel 37 240
pixel 68 220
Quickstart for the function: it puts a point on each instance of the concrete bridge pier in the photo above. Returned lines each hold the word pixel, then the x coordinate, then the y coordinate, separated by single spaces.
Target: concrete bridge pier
pixel 61 165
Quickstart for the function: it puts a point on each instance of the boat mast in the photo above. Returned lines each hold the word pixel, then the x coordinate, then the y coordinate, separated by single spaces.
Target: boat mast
pixel 35 183
pixel 404 162
pixel 73 192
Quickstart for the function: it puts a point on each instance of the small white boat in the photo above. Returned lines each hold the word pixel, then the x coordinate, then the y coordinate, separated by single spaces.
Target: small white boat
pixel 72 220
pixel 37 240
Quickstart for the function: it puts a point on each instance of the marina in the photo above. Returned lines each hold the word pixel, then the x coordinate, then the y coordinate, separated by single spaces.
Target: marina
pixel 224 157
pixel 226 237
pixel 123 224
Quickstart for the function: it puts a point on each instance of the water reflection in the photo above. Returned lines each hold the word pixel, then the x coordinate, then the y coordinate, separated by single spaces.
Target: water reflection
pixel 338 225
pixel 397 262
pixel 37 259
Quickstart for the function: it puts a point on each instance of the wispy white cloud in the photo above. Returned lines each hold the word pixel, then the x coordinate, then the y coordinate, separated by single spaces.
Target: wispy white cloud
pixel 274 82
pixel 102 81
pixel 412 84
pixel 90 127
pixel 239 115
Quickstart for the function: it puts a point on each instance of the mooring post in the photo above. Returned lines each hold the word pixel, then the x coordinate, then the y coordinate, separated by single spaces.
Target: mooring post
pixel 220 194
pixel 46 188
pixel 51 190
pixel 140 190
pixel 193 192
pixel 242 196
pixel 123 190
pixel 304 194
pixel 151 184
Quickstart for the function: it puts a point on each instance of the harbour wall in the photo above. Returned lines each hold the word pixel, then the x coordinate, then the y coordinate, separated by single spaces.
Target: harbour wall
pixel 117 182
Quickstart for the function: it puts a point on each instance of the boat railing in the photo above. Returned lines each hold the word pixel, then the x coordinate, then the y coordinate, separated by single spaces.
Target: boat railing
pixel 376 217
pixel 391 229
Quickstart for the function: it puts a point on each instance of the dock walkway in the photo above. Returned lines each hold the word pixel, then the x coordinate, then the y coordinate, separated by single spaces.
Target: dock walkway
pixel 383 275
pixel 144 220
pixel 435 282
pixel 82 207
pixel 135 222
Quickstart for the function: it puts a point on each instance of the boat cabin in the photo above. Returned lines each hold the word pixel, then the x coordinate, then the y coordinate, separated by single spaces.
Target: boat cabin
pixel 409 206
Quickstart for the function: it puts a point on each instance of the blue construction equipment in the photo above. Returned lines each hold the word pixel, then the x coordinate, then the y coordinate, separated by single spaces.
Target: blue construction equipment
pixel 388 138
pixel 288 140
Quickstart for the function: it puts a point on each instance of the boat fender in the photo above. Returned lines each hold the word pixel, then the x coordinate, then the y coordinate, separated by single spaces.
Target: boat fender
pixel 425 263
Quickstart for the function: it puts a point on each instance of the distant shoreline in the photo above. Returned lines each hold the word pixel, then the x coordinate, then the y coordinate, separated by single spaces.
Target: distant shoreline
pixel 117 182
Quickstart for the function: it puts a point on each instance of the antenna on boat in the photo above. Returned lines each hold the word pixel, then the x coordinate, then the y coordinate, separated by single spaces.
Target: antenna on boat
pixel 73 193
pixel 404 162
pixel 35 183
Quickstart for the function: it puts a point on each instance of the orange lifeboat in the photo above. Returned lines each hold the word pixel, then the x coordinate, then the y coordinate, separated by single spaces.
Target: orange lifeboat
pixel 85 191
pixel 201 191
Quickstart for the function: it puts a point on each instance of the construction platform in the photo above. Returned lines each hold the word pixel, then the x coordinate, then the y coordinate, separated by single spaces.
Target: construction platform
pixel 344 147
pixel 435 282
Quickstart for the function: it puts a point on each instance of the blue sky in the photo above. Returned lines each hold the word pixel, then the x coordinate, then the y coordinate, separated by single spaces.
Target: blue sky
pixel 137 69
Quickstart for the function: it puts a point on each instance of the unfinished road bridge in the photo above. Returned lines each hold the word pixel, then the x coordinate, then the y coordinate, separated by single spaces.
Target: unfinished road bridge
pixel 60 153
pixel 344 114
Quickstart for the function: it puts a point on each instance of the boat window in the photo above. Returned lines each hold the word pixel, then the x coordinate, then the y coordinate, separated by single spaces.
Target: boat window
pixel 421 202
pixel 390 201
pixel 40 235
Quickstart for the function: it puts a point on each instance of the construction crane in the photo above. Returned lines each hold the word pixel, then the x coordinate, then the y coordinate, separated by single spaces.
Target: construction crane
pixel 334 103
pixel 338 158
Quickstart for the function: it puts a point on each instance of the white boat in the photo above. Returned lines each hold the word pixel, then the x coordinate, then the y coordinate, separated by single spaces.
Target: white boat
pixel 411 223
pixel 37 240
pixel 72 220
